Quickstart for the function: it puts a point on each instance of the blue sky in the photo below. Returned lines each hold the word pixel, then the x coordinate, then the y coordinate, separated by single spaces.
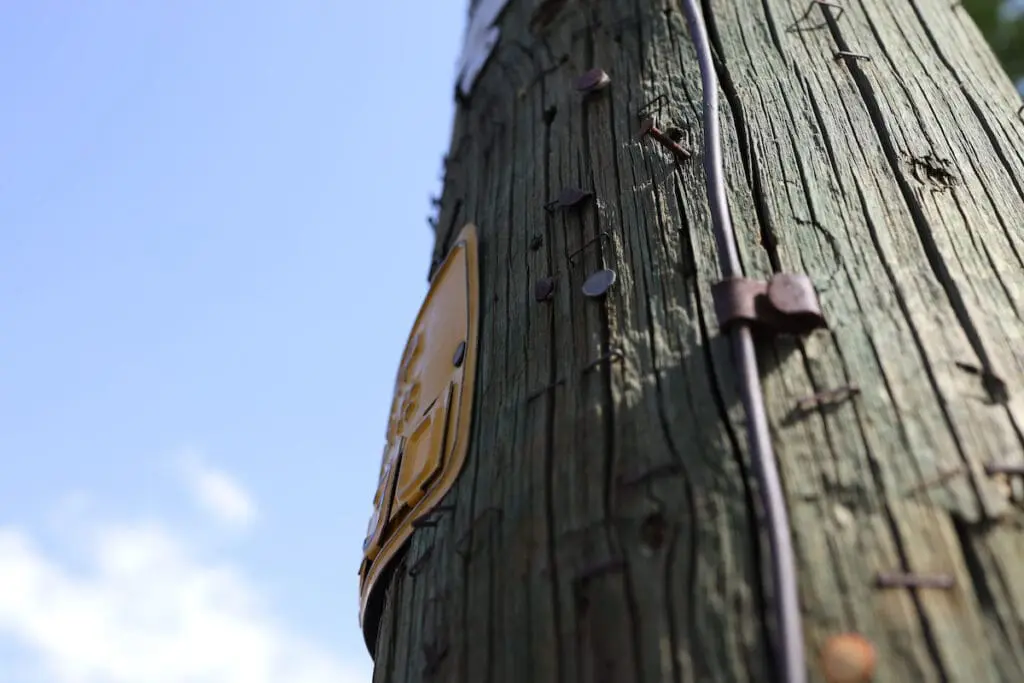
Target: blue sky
pixel 212 245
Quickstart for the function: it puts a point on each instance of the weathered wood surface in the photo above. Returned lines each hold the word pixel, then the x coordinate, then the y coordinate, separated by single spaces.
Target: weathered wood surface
pixel 605 527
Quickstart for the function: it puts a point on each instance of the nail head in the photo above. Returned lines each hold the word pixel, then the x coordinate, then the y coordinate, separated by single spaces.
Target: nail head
pixel 571 196
pixel 844 54
pixel 911 580
pixel 848 658
pixel 598 283
pixel 591 81
pixel 646 127
pixel 994 468
pixel 544 288
pixel 460 354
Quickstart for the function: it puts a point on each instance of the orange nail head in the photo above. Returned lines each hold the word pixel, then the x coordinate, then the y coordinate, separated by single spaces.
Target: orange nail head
pixel 848 658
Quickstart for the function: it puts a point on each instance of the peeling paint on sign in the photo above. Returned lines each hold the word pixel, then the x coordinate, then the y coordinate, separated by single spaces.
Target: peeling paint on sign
pixel 481 37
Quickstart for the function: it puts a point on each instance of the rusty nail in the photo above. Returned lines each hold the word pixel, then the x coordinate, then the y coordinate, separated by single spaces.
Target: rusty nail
pixel 465 544
pixel 823 3
pixel 544 288
pixel 810 8
pixel 544 14
pixel 910 580
pixel 665 470
pixel 424 522
pixel 848 658
pixel 830 396
pixel 432 517
pixel 568 198
pixel 994 468
pixel 647 128
pixel 460 354
pixel 600 236
pixel 993 385
pixel 654 530
pixel 674 133
pixel 940 478
pixel 591 81
pixel 571 196
pixel 421 562
pixel 843 54
pixel 433 655
pixel 580 581
pixel 536 242
pixel 613 355
pixel 649 108
pixel 543 390
pixel 599 282
pixel 599 569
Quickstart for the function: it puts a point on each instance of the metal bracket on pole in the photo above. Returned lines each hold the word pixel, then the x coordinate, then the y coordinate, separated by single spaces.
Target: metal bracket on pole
pixel 785 304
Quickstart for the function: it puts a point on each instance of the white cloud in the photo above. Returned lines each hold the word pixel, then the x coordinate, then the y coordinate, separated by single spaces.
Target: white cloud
pixel 146 609
pixel 218 493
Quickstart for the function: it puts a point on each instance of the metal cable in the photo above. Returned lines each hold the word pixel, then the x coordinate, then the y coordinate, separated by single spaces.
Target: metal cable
pixel 789 631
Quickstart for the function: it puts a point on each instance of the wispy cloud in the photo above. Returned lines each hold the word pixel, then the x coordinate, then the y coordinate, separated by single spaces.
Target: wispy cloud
pixel 146 607
pixel 217 492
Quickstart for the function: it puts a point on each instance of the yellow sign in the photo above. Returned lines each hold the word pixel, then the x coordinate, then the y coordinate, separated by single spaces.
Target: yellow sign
pixel 428 431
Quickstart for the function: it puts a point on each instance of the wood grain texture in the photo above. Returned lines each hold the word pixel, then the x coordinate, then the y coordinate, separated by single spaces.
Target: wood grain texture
pixel 606 525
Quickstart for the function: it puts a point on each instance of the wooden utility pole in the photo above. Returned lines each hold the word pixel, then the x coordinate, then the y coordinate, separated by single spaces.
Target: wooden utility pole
pixel 607 525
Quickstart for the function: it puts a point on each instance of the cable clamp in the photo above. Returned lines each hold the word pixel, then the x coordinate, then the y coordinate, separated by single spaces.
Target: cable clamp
pixel 785 304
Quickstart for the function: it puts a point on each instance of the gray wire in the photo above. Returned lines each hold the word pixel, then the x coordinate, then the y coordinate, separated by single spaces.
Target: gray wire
pixel 789 631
